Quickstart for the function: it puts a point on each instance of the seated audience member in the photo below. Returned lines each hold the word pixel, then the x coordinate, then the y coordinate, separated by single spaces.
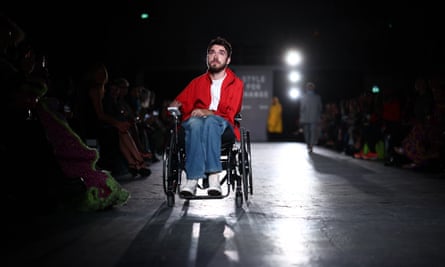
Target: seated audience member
pixel 116 107
pixel 55 154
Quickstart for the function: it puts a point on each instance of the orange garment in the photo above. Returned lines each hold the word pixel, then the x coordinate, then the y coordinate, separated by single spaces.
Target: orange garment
pixel 275 119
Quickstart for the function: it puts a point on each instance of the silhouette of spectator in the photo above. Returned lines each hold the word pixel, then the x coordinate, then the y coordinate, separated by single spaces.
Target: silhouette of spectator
pixel 370 127
pixel 119 110
pixel 418 145
pixel 57 155
pixel 95 126
pixel 154 124
pixel 24 133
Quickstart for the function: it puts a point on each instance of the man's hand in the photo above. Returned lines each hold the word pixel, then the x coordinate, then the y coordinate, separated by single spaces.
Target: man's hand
pixel 201 112
pixel 175 103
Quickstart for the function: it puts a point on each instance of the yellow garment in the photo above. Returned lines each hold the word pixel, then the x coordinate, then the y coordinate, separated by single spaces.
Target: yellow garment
pixel 275 120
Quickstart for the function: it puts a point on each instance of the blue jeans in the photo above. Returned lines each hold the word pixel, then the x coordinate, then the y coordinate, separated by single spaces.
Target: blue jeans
pixel 203 145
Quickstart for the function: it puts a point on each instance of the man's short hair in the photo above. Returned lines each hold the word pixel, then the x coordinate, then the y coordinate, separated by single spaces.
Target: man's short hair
pixel 221 41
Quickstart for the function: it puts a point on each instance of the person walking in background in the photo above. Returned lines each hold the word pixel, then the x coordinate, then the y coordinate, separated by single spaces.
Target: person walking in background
pixel 310 114
pixel 275 120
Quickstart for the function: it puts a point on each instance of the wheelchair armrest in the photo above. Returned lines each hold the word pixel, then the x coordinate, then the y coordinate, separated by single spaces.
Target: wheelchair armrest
pixel 174 111
pixel 238 117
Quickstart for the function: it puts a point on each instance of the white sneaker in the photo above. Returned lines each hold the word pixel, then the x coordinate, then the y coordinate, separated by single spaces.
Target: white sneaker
pixel 214 185
pixel 189 187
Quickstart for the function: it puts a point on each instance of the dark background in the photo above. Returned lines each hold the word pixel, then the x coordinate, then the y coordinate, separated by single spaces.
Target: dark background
pixel 347 46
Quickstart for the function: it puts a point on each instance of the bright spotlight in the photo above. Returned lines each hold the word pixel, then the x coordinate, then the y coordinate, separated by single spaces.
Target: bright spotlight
pixel 294 93
pixel 293 58
pixel 294 76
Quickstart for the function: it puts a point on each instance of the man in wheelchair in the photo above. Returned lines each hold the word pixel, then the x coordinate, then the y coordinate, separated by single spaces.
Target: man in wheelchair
pixel 209 104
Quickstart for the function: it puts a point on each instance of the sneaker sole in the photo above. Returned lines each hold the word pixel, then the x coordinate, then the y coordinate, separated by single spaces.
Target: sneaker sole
pixel 214 192
pixel 186 194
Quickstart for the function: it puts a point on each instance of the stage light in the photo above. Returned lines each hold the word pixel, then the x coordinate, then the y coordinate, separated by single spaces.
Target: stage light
pixel 294 76
pixel 293 58
pixel 294 93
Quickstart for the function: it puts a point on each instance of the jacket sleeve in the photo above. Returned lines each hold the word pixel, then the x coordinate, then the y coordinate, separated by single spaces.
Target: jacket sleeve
pixel 231 105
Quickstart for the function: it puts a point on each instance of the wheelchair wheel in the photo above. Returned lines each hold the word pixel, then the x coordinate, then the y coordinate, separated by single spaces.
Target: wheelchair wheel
pixel 166 169
pixel 249 153
pixel 239 199
pixel 170 199
pixel 245 164
pixel 170 170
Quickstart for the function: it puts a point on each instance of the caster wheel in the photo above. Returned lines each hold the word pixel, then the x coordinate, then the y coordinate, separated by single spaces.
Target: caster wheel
pixel 239 200
pixel 170 199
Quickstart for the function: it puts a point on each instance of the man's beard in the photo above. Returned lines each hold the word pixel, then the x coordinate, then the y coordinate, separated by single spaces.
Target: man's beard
pixel 217 69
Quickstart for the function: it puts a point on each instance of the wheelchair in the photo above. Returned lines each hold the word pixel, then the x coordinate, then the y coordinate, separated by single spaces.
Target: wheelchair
pixel 235 159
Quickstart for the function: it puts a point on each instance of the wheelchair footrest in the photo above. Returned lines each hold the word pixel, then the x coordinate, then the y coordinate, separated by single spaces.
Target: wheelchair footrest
pixel 201 194
pixel 202 197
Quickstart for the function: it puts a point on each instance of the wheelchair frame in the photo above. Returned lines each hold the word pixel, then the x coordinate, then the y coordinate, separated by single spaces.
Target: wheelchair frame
pixel 235 160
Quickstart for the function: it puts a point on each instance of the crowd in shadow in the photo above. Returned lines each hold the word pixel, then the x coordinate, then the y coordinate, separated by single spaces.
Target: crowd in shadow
pixel 68 143
pixel 401 128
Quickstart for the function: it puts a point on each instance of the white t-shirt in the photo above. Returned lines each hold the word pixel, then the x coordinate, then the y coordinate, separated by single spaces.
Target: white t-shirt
pixel 215 92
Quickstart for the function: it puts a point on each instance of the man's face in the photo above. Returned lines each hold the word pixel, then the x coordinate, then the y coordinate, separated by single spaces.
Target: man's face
pixel 217 58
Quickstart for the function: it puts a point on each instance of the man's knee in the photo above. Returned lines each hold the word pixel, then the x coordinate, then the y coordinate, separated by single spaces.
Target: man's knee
pixel 215 124
pixel 214 120
pixel 193 123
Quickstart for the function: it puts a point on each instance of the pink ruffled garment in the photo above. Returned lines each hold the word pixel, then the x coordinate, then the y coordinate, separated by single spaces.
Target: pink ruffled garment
pixel 77 160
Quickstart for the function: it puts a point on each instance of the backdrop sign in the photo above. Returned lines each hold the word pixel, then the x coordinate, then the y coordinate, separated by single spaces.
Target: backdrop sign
pixel 258 82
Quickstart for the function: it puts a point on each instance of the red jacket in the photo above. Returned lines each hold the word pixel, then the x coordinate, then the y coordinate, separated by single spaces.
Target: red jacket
pixel 197 95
